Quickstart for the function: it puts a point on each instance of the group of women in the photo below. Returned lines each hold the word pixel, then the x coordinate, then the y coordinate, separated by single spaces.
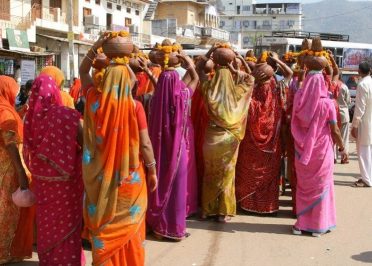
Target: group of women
pixel 156 144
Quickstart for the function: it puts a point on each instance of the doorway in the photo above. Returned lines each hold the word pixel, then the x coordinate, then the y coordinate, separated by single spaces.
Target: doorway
pixel 108 21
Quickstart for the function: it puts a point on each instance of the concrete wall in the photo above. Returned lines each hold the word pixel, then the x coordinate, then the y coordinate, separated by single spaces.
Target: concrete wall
pixel 186 13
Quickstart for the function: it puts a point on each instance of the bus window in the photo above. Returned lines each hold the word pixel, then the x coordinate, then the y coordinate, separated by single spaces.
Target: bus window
pixel 292 48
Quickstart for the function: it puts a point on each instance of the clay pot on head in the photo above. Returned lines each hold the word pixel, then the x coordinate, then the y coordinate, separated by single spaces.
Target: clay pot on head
pixel 262 68
pixel 306 44
pixel 316 45
pixel 270 61
pixel 166 42
pixel 173 59
pixel 100 61
pixel 251 65
pixel 315 62
pixel 135 65
pixel 209 66
pixel 223 56
pixel 250 53
pixel 118 47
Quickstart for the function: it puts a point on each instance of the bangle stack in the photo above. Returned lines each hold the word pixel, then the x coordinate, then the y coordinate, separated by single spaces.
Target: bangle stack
pixel 150 165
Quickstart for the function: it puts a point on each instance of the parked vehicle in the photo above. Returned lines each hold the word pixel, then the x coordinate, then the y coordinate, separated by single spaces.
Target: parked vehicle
pixel 351 79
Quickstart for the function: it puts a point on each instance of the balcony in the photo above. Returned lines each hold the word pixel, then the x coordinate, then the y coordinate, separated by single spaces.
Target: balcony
pixel 216 34
pixel 277 9
pixel 14 22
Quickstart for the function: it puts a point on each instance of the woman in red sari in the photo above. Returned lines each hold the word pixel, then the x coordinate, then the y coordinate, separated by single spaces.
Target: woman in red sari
pixel 258 166
pixel 52 152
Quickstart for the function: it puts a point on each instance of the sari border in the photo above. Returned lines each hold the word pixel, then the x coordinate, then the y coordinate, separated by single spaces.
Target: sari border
pixel 315 203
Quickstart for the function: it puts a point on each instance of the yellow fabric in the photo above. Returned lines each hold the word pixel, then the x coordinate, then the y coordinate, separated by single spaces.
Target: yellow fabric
pixel 227 103
pixel 67 100
pixel 55 73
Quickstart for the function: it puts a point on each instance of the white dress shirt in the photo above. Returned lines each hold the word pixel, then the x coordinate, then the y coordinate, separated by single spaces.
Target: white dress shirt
pixel 363 111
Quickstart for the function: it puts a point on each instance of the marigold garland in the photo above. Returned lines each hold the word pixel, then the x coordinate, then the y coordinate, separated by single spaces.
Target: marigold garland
pixel 264 56
pixel 167 50
pixel 114 34
pixel 251 59
pixel 120 60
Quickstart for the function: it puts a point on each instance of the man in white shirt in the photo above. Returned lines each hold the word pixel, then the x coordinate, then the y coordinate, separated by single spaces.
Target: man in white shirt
pixel 362 125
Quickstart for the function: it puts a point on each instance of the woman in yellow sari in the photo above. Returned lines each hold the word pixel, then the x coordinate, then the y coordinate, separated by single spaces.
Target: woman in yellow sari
pixel 227 102
pixel 116 144
pixel 58 76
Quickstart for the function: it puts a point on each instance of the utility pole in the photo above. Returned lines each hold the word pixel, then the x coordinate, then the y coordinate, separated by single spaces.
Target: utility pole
pixel 70 37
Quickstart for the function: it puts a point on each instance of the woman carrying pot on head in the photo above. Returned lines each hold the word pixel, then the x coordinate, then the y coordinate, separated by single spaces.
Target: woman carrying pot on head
pixel 116 149
pixel 172 135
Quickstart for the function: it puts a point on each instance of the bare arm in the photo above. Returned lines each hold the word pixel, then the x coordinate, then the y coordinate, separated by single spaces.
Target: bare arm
pixel 286 70
pixel 335 69
pixel 86 64
pixel 148 72
pixel 13 152
pixel 246 67
pixel 149 158
pixel 191 69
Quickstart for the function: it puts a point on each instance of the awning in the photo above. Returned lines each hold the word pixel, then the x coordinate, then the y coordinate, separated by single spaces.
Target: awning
pixel 64 39
pixel 26 53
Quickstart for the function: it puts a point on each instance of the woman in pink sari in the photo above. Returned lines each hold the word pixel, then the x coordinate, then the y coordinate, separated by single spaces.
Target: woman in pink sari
pixel 314 125
pixel 53 155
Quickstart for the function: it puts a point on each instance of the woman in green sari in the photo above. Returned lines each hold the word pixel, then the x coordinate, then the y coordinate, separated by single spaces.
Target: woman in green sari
pixel 227 96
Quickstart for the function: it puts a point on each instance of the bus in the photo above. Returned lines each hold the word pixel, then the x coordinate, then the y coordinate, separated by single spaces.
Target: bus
pixel 348 54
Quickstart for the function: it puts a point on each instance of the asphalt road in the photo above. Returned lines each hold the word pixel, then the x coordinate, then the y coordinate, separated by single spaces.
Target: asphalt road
pixel 253 240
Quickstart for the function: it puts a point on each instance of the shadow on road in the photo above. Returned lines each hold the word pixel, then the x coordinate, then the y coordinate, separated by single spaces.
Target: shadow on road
pixel 347 174
pixel 344 183
pixel 363 257
pixel 232 227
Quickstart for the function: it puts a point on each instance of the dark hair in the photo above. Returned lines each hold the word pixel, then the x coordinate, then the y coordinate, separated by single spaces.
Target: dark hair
pixel 29 84
pixel 364 68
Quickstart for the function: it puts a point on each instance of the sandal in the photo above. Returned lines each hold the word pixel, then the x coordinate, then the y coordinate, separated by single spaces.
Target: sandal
pixel 223 219
pixel 345 161
pixel 359 183
pixel 296 231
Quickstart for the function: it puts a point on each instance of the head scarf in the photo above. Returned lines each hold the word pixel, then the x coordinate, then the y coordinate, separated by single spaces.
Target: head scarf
pixel 9 118
pixel 44 95
pixel 55 73
pixel 228 102
pixel 306 119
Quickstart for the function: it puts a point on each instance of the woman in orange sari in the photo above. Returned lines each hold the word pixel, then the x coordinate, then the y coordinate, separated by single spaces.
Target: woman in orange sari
pixel 75 90
pixel 57 75
pixel 116 143
pixel 16 224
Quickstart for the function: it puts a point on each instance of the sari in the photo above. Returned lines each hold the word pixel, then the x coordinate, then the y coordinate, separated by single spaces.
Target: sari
pixel 259 160
pixel 16 224
pixel 313 111
pixel 57 75
pixel 227 104
pixel 113 174
pixel 171 134
pixel 75 91
pixel 53 156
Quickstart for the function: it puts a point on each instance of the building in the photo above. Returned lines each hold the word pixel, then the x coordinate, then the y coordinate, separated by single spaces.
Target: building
pixel 252 19
pixel 46 24
pixel 190 22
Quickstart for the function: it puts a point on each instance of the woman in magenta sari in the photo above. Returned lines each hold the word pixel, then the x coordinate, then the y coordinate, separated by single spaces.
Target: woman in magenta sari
pixel 170 130
pixel 314 125
pixel 52 154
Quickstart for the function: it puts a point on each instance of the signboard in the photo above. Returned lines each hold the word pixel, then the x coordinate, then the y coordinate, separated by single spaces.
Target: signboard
pixel 17 40
pixel 353 57
pixel 70 36
pixel 28 69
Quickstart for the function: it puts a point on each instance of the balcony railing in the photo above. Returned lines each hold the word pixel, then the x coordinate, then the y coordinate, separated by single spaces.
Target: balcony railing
pixel 14 22
pixel 216 33
pixel 49 14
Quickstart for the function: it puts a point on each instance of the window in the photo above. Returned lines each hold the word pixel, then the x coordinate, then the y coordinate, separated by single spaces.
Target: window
pixel 55 4
pixel 137 12
pixel 118 7
pixel 246 40
pixel 128 22
pixel 98 2
pixel 238 24
pixel 238 10
pixel 266 23
pixel 246 23
pixel 222 24
pixel 246 8
pixel 88 1
pixel 129 9
pixel 109 5
pixel 291 23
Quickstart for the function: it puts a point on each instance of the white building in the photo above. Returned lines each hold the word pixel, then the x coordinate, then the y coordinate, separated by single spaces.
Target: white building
pixel 255 18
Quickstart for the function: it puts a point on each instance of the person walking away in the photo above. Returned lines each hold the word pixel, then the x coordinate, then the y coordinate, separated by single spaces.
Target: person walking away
pixel 116 149
pixel 172 134
pixel 76 90
pixel 314 125
pixel 362 125
pixel 52 152
pixel 344 102
pixel 227 101
pixel 16 224
pixel 57 75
